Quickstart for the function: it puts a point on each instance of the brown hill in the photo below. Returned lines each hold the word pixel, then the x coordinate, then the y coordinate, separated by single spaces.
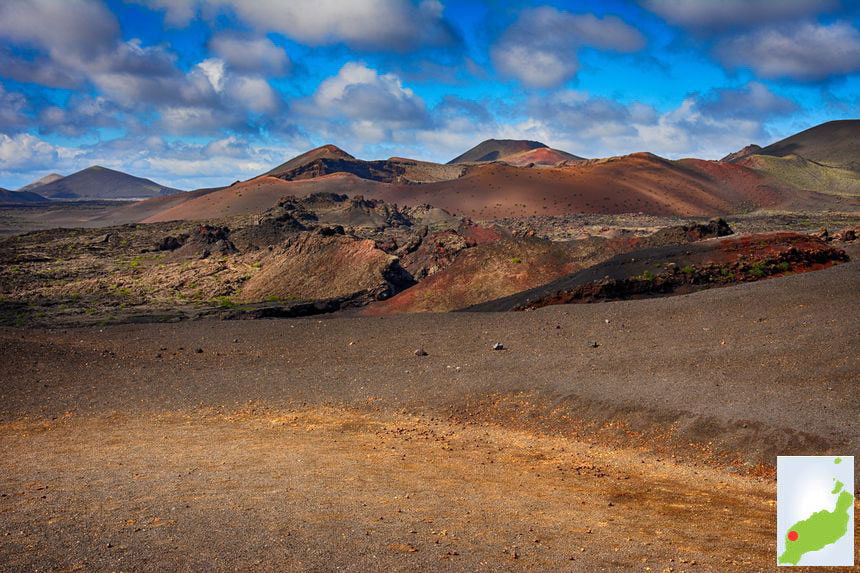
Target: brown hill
pixel 329 159
pixel 14 197
pixel 641 182
pixel 835 144
pixel 316 267
pixel 487 272
pixel 514 264
pixel 102 183
pixel 501 149
pixel 540 156
pixel 50 178
pixel 322 152
pixel 681 268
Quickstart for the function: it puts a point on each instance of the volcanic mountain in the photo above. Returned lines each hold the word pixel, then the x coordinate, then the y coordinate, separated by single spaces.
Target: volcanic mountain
pixel 50 178
pixel 102 183
pixel 635 183
pixel 513 151
pixel 835 144
pixel 330 159
pixel 12 197
pixel 824 158
pixel 832 144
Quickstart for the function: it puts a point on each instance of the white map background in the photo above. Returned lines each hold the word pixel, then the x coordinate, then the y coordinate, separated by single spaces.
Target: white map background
pixel 803 486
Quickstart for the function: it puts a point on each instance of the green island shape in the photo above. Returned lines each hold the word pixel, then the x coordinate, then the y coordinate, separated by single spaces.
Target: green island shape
pixel 837 486
pixel 837 461
pixel 819 529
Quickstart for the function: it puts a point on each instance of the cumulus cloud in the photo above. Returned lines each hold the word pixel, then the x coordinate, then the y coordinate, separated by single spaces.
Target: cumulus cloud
pixel 77 42
pixel 366 24
pixel 80 115
pixel 363 24
pixel 70 29
pixel 179 164
pixel 804 52
pixel 360 93
pixel 721 14
pixel 12 109
pixel 540 48
pixel 248 54
pixel 177 12
pixel 753 101
pixel 25 152
pixel 596 127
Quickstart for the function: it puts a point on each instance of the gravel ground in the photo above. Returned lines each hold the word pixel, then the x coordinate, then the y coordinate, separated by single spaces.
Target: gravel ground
pixel 292 444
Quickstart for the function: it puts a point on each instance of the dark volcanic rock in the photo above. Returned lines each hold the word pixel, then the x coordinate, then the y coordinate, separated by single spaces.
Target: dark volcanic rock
pixel 205 240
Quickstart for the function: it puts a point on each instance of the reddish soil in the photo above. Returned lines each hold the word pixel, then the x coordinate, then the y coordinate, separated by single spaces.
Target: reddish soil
pixel 539 156
pixel 487 272
pixel 680 268
pixel 640 182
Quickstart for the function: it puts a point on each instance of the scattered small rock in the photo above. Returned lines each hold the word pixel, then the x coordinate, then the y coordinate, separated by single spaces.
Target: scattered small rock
pixel 593 344
pixel 420 352
pixel 498 346
pixel 198 350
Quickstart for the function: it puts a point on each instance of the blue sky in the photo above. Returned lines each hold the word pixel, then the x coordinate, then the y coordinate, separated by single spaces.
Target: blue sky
pixel 197 93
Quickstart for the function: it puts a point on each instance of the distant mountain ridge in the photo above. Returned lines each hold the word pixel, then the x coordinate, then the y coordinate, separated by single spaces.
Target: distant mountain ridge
pixel 50 178
pixel 832 144
pixel 824 159
pixel 98 182
pixel 15 197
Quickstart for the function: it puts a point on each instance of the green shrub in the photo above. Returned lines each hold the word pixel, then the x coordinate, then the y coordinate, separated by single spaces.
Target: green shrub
pixel 757 270
pixel 225 302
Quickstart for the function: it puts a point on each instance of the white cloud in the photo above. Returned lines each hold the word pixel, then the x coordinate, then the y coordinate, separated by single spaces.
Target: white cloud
pixel 78 116
pixel 753 101
pixel 254 93
pixel 214 70
pixel 360 93
pixel 540 48
pixel 12 107
pixel 26 152
pixel 71 29
pixel 177 12
pixel 248 54
pixel 703 14
pixel 394 24
pixel 179 164
pixel 805 52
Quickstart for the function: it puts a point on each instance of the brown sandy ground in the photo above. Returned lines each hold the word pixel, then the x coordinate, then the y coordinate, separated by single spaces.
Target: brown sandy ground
pixel 257 453
pixel 334 489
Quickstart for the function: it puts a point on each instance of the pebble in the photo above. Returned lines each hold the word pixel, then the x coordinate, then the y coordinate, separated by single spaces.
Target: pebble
pixel 594 344
pixel 420 352
pixel 498 346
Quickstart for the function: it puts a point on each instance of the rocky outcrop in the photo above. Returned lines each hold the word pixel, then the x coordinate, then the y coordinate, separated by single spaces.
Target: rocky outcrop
pixel 679 269
pixel 751 149
pixel 313 266
pixel 203 241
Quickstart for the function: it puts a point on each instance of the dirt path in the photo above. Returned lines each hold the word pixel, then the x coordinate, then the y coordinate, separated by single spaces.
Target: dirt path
pixel 325 489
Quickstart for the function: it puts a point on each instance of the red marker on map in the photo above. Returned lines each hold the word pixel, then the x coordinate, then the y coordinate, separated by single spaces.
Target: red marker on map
pixel 792 536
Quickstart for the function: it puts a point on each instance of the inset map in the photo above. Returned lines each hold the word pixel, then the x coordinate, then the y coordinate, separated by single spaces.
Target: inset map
pixel 815 510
